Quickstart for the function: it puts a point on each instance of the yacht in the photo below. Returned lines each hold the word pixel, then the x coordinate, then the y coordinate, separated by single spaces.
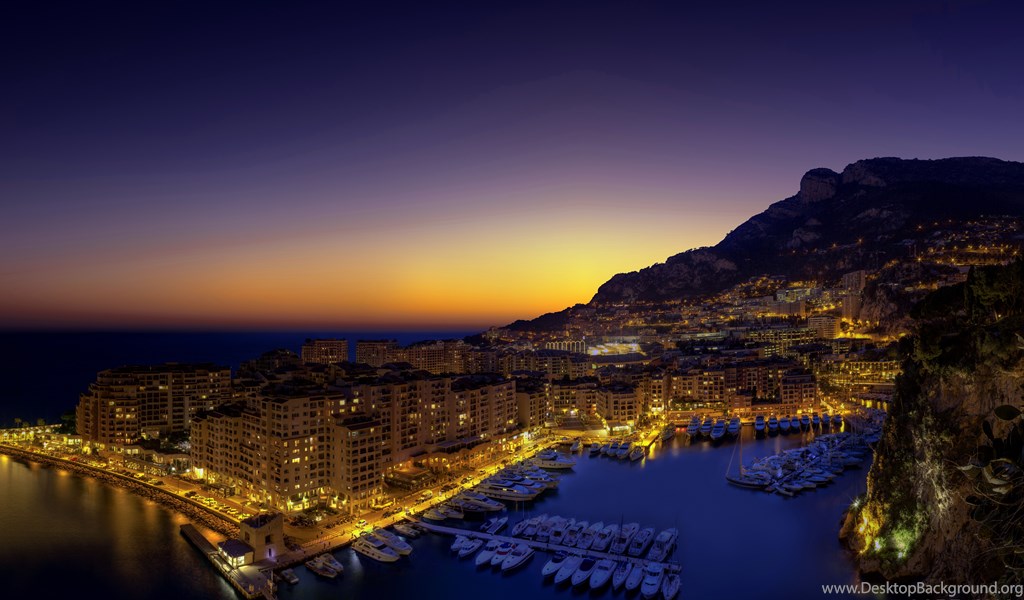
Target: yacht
pixel 583 572
pixel 613 449
pixel 653 574
pixel 805 422
pixel 784 424
pixel 815 420
pixel 494 525
pixel 621 573
pixel 634 579
pixel 668 432
pixel 393 541
pixel 589 535
pixel 625 536
pixel 289 576
pixel 705 427
pixel 517 557
pixel 544 530
pixel 595 448
pixel 470 546
pixel 837 419
pixel 693 429
pixel 501 553
pixel 623 450
pixel 407 530
pixel 552 566
pixel 572 534
pixel 759 425
pixel 460 541
pixel 826 420
pixel 519 528
pixel 663 544
pixel 549 459
pixel 373 547
pixel 533 524
pixel 602 573
pixel 481 501
pixel 604 537
pixel 734 427
pixel 559 530
pixel 451 512
pixel 718 432
pixel 505 491
pixel 575 446
pixel 434 514
pixel 773 425
pixel 605 448
pixel 569 566
pixel 641 541
pixel 317 566
pixel 636 453
pixel 327 559
pixel 485 556
pixel 670 587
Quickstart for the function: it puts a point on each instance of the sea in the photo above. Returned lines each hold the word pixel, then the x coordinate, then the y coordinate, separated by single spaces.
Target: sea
pixel 65 534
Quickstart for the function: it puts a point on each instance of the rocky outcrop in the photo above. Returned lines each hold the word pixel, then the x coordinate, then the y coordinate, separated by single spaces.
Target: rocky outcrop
pixel 819 184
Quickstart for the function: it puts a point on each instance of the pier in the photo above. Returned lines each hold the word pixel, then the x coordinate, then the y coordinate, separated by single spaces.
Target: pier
pixel 670 567
pixel 247 580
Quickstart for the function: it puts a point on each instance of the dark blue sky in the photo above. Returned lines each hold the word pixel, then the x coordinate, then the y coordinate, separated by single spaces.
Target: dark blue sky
pixel 374 163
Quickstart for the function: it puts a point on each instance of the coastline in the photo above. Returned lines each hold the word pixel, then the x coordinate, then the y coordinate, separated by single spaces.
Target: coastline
pixel 193 511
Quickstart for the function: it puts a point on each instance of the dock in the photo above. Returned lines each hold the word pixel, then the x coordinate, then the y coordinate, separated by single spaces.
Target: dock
pixel 670 567
pixel 247 580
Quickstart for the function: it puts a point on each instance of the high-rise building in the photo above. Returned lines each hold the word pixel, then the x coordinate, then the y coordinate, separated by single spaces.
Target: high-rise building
pixel 325 351
pixel 375 352
pixel 128 403
pixel 824 326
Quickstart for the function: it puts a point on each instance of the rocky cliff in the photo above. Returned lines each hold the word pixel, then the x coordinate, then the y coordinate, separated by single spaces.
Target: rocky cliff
pixel 946 486
pixel 836 222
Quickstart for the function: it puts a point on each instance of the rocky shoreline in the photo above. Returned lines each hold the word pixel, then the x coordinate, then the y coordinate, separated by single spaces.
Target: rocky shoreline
pixel 197 514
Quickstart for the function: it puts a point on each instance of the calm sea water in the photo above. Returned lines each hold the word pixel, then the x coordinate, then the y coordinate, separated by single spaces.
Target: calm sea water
pixel 62 532
pixel 44 372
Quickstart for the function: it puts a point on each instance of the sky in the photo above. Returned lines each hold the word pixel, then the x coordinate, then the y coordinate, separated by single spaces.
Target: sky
pixel 369 165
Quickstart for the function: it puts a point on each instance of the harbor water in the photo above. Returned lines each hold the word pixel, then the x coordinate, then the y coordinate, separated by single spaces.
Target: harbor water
pixel 63 532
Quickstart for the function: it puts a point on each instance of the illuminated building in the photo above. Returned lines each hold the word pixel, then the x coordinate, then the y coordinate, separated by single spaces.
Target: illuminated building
pixel 325 351
pixel 375 352
pixel 824 326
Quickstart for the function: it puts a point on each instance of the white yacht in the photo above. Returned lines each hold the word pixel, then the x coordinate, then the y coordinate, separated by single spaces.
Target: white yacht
pixel 641 541
pixel 407 530
pixel 460 541
pixel 621 573
pixel 289 576
pixel 533 524
pixel 559 530
pixel 583 572
pixel 595 448
pixel 589 535
pixel 602 573
pixel 327 559
pixel 670 587
pixel 668 432
pixel 613 449
pixel 501 553
pixel 470 546
pixel 373 547
pixel 517 557
pixel 759 425
pixel 718 431
pixel 481 501
pixel 505 491
pixel 493 526
pixel 624 537
pixel 733 429
pixel 549 459
pixel 663 544
pixel 485 556
pixel 653 574
pixel 393 541
pixel 569 566
pixel 553 565
pixel 604 538
pixel 773 425
pixel 636 453
pixel 573 533
pixel 317 566
pixel 784 424
pixel 544 531
pixel 623 450
pixel 805 422
pixel 634 579
pixel 693 429
pixel 575 446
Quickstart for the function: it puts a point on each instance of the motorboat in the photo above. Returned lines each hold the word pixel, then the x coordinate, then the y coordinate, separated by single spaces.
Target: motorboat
pixel 569 566
pixel 434 514
pixel 815 420
pixel 505 491
pixel 605 537
pixel 517 557
pixel 481 501
pixel 559 530
pixel 575 446
pixel 602 573
pixel 451 512
pixel 572 534
pixel 327 559
pixel 734 427
pixel 718 431
pixel 393 541
pixel 494 525
pixel 485 556
pixel 317 566
pixel 549 459
pixel 705 427
pixel 613 448
pixel 653 575
pixel 837 419
pixel 693 429
pixel 589 535
pixel 663 544
pixel 641 541
pixel 773 425
pixel 605 449
pixel 533 524
pixel 595 448
pixel 407 530
pixel 373 547
pixel 826 420
pixel 552 566
pixel 636 453
pixel 668 432
pixel 460 541
pixel 634 579
pixel 623 450
pixel 759 425
pixel 670 586
pixel 784 424
pixel 805 422
pixel 544 530
pixel 470 546
pixel 583 572
pixel 621 573
pixel 519 528
pixel 756 480
pixel 289 576
pixel 624 537
pixel 501 553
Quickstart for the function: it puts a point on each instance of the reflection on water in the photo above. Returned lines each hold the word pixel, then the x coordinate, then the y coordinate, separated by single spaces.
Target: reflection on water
pixel 731 540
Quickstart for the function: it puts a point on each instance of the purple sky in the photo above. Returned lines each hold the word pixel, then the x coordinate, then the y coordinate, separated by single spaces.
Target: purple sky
pixel 278 164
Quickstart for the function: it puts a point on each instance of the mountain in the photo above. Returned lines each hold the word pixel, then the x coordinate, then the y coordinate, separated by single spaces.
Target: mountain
pixel 837 222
